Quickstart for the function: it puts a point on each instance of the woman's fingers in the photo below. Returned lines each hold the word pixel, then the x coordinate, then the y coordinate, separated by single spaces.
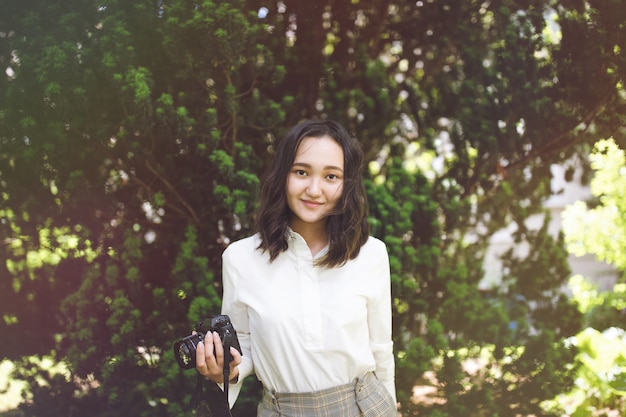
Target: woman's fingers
pixel 201 364
pixel 216 342
pixel 234 370
pixel 210 358
pixel 234 353
pixel 207 363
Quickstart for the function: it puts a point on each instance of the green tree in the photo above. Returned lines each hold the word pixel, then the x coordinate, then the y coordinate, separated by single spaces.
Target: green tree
pixel 600 387
pixel 605 213
pixel 132 139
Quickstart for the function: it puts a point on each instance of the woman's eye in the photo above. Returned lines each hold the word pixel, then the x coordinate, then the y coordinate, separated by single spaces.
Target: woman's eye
pixel 300 172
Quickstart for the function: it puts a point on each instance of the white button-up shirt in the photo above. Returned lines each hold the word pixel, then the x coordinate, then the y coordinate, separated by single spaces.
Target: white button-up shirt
pixel 305 328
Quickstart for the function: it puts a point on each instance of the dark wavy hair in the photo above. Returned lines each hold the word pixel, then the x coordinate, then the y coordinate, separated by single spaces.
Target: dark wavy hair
pixel 346 226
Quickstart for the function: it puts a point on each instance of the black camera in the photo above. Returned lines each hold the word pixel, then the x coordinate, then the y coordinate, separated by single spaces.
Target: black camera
pixel 185 348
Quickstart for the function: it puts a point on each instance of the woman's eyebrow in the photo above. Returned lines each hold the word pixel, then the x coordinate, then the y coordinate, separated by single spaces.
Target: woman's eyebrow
pixel 326 167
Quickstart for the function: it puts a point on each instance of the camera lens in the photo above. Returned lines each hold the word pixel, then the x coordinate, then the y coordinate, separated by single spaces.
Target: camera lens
pixel 184 354
pixel 185 350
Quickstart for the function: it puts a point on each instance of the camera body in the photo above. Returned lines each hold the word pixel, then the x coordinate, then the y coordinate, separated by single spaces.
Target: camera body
pixel 185 348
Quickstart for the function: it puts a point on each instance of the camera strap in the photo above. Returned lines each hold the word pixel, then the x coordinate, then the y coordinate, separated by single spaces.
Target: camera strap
pixel 215 402
pixel 227 341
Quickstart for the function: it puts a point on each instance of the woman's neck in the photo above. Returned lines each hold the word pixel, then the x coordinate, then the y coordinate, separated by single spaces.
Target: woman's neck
pixel 314 235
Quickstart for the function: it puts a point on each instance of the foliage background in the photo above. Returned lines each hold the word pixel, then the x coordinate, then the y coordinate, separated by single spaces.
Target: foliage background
pixel 133 137
pixel 600 384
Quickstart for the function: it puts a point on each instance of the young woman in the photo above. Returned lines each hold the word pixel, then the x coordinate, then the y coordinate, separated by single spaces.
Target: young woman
pixel 309 294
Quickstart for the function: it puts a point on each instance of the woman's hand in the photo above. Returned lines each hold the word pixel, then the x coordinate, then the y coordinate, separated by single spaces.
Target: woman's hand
pixel 210 365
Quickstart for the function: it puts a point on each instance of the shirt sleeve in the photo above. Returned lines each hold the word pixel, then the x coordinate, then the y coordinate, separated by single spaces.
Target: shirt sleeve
pixel 379 321
pixel 238 314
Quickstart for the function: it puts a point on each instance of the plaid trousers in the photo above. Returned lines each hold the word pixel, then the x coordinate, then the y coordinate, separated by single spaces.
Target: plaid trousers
pixel 365 397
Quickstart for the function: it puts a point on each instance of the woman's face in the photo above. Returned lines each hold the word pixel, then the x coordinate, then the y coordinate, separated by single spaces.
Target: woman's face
pixel 315 181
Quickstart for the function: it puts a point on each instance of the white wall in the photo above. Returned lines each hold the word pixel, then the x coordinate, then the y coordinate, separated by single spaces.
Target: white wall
pixel 565 193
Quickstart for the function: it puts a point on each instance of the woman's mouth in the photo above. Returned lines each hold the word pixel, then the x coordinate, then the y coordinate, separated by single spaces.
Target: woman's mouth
pixel 311 204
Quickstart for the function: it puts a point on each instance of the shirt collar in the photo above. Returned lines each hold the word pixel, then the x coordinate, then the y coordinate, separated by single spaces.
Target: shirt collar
pixel 298 245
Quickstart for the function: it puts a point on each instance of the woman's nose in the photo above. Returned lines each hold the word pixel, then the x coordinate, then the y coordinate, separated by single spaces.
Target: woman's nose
pixel 314 188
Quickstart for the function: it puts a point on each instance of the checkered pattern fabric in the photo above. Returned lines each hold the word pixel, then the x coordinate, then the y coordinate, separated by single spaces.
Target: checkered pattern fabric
pixel 365 397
